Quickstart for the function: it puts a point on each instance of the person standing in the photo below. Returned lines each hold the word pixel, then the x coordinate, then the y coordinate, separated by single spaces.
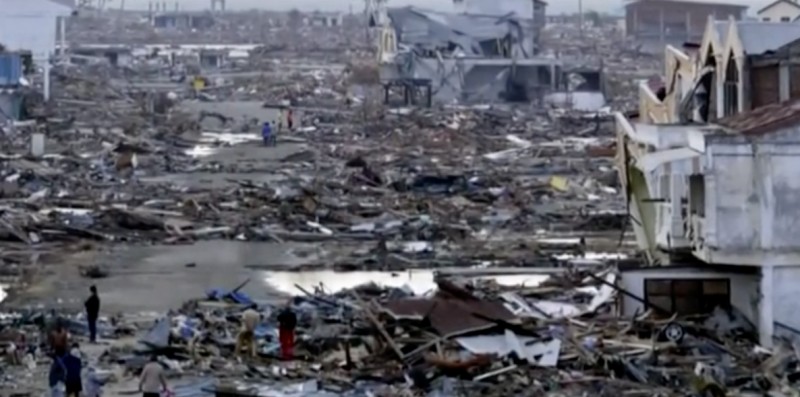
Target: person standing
pixel 58 339
pixel 266 134
pixel 247 336
pixel 72 379
pixel 287 322
pixel 92 312
pixel 153 381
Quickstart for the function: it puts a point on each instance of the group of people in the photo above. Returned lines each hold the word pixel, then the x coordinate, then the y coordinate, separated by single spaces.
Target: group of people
pixel 266 130
pixel 67 365
pixel 287 322
pixel 65 370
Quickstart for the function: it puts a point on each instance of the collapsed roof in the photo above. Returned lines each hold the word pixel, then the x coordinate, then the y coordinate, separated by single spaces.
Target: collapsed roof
pixel 469 35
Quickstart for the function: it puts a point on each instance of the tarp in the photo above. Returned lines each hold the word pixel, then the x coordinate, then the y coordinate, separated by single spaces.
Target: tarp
pixel 529 349
pixel 158 336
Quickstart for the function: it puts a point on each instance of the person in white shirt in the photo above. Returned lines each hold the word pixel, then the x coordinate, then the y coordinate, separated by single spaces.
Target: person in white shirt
pixel 153 381
pixel 246 337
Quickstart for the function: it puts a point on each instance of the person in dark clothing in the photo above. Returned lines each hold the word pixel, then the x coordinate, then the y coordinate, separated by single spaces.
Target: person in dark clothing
pixel 72 382
pixel 92 312
pixel 287 322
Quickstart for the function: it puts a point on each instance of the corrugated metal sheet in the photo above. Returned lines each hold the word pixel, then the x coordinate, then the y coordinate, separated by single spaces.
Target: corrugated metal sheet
pixel 10 69
pixel 761 37
pixel 450 317
pixel 424 27
pixel 765 119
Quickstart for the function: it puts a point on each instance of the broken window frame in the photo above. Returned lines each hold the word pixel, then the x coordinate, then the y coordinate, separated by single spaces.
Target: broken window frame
pixel 730 87
pixel 687 296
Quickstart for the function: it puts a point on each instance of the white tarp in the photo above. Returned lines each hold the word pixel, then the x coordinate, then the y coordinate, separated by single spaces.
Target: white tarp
pixel 530 349
pixel 543 309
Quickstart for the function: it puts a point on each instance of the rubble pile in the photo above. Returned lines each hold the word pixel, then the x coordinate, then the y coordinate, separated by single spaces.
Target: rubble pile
pixel 164 149
pixel 471 336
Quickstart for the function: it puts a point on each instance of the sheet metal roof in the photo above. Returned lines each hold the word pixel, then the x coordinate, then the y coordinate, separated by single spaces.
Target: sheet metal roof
pixel 419 26
pixel 450 317
pixel 765 119
pixel 760 37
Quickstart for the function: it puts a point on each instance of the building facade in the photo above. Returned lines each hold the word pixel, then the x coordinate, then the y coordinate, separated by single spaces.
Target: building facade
pixel 708 170
pixel 656 23
pixel 31 26
pixel 779 11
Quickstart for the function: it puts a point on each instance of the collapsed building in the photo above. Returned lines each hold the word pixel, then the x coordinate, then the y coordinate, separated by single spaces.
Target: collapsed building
pixel 463 57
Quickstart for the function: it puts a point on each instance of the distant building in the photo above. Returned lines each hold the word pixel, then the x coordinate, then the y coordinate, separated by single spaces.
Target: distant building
pixel 183 20
pixel 324 19
pixel 779 11
pixel 31 25
pixel 116 55
pixel 655 23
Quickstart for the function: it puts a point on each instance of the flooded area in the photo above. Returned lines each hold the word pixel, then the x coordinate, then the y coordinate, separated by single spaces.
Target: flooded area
pixel 418 281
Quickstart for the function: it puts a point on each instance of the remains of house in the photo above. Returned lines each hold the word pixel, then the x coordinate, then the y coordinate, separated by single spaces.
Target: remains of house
pixel 463 235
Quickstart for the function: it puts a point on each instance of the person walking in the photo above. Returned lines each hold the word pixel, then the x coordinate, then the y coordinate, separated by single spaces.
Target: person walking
pixel 92 312
pixel 287 322
pixel 153 381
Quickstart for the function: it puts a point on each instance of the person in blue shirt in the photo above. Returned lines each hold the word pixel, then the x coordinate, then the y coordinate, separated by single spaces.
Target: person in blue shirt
pixel 266 134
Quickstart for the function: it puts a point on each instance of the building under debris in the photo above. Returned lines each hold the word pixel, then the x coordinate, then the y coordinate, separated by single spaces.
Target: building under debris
pixel 656 23
pixel 708 166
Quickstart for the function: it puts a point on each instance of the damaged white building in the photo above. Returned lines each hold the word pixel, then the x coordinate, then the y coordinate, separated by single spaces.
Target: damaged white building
pixel 709 170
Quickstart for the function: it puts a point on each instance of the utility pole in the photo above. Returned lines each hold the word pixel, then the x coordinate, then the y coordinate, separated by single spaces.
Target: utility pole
pixel 580 17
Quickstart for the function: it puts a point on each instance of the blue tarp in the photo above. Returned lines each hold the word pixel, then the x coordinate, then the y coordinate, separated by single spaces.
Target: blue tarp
pixel 158 336
pixel 219 294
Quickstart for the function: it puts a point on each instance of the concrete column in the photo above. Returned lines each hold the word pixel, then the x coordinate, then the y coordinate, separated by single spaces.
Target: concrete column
pixel 688 26
pixel 47 80
pixel 766 320
pixel 783 81
pixel 63 33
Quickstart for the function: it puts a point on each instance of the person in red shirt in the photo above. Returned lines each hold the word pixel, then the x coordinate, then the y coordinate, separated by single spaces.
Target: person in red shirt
pixel 287 322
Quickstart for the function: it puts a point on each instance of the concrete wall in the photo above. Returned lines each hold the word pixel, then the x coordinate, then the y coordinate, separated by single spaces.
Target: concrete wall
pixel 778 11
pixel 785 292
pixel 744 288
pixel 10 106
pixel 30 25
pixel 480 82
pixel 752 194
